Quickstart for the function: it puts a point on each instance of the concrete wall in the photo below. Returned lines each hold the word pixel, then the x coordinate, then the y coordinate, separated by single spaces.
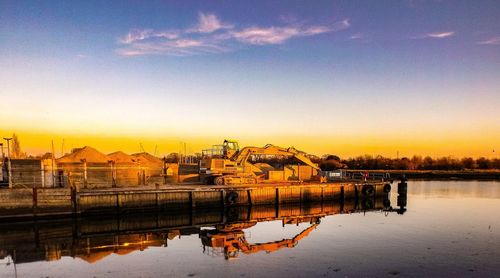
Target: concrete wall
pixel 20 201
pixel 42 201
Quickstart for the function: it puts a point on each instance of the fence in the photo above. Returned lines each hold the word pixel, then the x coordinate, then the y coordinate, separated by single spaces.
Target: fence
pixel 30 173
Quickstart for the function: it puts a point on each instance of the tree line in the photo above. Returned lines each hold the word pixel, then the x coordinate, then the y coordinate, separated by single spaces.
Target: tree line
pixel 368 162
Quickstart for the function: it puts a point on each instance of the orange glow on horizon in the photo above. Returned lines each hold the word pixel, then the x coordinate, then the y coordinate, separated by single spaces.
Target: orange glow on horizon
pixel 385 144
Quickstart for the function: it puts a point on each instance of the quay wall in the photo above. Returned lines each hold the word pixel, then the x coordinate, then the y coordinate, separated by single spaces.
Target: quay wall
pixel 40 202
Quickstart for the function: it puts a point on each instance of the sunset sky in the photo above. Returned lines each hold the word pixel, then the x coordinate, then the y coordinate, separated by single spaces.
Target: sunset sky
pixel 341 77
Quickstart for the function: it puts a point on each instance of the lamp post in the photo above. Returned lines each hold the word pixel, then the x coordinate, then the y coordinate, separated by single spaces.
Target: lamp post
pixel 9 166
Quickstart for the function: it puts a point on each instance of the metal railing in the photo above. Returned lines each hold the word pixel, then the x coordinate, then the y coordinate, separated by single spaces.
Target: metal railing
pixel 336 175
pixel 84 177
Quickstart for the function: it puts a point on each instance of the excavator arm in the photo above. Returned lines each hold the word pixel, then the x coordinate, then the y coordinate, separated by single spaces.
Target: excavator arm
pixel 232 238
pixel 242 156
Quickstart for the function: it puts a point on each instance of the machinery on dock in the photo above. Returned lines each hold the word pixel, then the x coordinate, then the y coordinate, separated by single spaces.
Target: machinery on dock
pixel 231 238
pixel 228 164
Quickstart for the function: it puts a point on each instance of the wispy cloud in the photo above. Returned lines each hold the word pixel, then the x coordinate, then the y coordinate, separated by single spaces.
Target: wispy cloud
pixel 211 35
pixel 261 36
pixel 139 35
pixel 435 35
pixel 490 41
pixel 208 23
pixel 178 47
pixel 440 35
pixel 279 35
pixel 357 36
pixel 82 56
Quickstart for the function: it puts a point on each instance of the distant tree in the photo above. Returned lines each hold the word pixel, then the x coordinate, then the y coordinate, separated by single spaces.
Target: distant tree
pixel 495 163
pixel 46 155
pixel 331 162
pixel 367 162
pixel 16 147
pixel 483 163
pixel 416 162
pixel 468 163
pixel 428 163
pixel 403 164
pixel 172 158
pixel 331 157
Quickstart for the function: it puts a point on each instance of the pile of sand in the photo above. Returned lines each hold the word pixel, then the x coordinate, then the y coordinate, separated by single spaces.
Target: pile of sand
pixel 88 153
pixel 147 159
pixel 121 157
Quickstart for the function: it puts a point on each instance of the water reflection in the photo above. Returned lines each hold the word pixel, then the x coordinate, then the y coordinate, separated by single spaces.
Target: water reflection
pixel 229 240
pixel 222 232
pixel 438 235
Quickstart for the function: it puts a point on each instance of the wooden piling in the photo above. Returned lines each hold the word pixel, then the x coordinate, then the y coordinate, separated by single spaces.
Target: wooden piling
pixel 84 173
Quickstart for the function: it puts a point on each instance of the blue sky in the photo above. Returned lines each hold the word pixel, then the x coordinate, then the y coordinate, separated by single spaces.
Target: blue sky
pixel 293 69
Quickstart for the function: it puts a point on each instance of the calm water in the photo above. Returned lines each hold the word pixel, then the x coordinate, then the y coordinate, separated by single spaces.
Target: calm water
pixel 449 229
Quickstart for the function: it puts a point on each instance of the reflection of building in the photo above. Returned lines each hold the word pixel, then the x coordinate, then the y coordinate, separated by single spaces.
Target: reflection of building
pixel 95 238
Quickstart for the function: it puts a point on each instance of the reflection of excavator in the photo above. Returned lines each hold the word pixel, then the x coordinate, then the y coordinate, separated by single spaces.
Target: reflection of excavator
pixel 227 164
pixel 231 238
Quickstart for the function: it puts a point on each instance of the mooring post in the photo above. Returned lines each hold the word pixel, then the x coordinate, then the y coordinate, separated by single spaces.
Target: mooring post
pixel 117 201
pixel 277 205
pixel 84 173
pixel 156 206
pixel 179 172
pixel 322 198
pixel 9 171
pixel 341 198
pixel 42 173
pixel 192 200
pixel 143 176
pixel 164 170
pixel 139 179
pixel 112 168
pixel 35 199
pixel 74 203
pixel 402 193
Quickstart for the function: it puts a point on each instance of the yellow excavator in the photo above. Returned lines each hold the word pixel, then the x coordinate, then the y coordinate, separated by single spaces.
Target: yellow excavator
pixel 231 238
pixel 227 164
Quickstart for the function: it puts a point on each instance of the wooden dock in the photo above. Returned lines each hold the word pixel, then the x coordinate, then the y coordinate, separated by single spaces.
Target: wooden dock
pixel 44 202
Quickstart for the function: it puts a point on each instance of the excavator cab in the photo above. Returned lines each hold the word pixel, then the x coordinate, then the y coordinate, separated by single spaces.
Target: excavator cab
pixel 230 148
pixel 232 166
